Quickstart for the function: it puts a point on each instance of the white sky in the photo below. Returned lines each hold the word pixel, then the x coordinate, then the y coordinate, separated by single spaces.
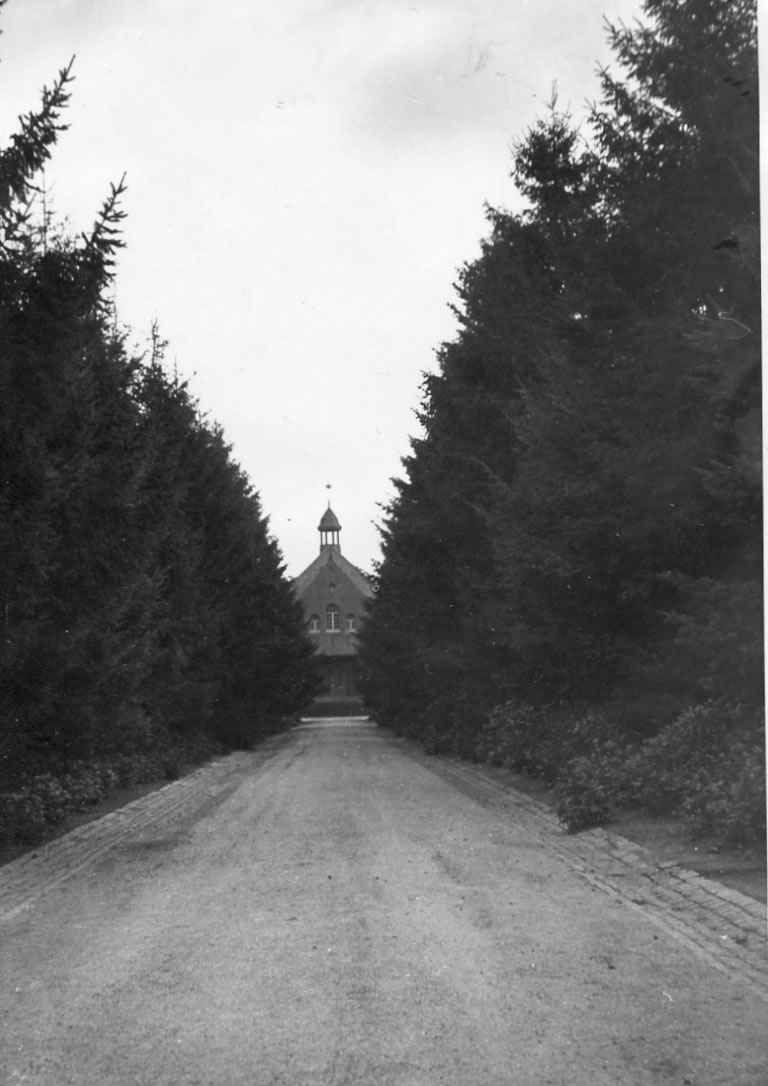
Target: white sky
pixel 303 181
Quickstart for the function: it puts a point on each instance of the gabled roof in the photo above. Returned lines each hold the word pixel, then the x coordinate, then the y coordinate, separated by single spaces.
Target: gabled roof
pixel 332 556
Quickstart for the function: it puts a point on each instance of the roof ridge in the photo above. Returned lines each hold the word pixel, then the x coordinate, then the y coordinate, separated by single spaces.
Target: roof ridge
pixel 328 556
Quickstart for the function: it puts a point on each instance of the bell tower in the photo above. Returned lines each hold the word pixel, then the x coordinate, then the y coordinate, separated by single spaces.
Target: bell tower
pixel 335 595
pixel 329 529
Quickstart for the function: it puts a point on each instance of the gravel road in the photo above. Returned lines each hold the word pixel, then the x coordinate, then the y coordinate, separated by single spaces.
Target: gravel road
pixel 338 909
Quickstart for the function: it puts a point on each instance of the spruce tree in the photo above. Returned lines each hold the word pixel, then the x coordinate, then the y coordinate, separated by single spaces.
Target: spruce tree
pixel 143 599
pixel 581 520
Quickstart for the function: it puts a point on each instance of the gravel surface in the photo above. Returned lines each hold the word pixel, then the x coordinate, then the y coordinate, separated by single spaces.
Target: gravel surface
pixel 336 908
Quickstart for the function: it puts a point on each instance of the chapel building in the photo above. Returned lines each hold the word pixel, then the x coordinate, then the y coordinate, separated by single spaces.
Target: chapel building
pixel 334 593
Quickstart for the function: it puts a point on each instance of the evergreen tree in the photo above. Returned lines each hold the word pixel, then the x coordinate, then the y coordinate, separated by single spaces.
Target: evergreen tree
pixel 73 592
pixel 581 520
pixel 641 475
pixel 142 595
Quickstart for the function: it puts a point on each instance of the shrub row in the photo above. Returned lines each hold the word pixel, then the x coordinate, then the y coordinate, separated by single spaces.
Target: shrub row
pixel 707 766
pixel 31 811
pixel 539 741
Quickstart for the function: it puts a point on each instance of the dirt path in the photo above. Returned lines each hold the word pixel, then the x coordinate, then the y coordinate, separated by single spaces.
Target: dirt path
pixel 338 910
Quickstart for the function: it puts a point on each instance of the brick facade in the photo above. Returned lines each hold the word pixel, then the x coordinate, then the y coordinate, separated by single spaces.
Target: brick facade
pixel 333 593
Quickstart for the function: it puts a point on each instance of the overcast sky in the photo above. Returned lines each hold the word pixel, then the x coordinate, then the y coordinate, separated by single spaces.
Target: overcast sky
pixel 304 179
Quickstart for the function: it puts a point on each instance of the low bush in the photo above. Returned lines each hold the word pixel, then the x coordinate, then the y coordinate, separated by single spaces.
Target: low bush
pixel 523 738
pixel 729 798
pixel 708 749
pixel 137 768
pixel 589 784
pixel 31 810
pixel 584 794
pixel 541 741
pixel 22 817
pixel 84 786
pixel 708 767
pixel 53 796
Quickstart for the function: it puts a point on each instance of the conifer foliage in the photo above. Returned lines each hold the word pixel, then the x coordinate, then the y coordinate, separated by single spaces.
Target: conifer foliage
pixel 143 598
pixel 580 522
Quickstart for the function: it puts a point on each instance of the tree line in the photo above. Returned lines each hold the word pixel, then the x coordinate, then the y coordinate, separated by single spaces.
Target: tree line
pixel 571 580
pixel 145 606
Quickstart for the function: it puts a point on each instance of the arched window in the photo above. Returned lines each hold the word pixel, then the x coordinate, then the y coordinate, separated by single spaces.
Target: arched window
pixel 314 624
pixel 351 624
pixel 332 619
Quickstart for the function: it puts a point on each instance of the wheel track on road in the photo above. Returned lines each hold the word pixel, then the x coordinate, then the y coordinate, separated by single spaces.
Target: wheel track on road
pixel 721 925
pixel 25 880
pixel 718 924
